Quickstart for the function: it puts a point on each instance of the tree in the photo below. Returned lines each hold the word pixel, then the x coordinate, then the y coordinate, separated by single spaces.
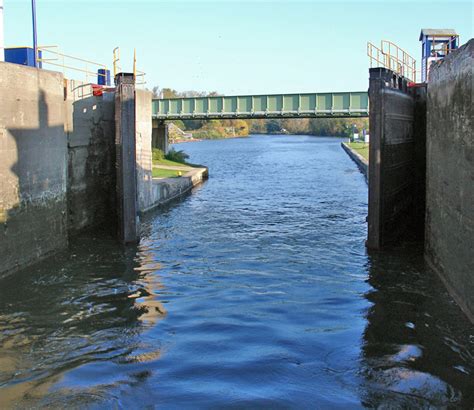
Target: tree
pixel 273 126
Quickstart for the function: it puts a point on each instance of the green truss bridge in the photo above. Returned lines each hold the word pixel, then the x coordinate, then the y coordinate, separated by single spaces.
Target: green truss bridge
pixel 308 105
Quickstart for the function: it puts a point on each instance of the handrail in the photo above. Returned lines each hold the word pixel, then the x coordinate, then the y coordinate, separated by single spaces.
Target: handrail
pixel 136 73
pixel 390 56
pixel 61 58
pixel 116 61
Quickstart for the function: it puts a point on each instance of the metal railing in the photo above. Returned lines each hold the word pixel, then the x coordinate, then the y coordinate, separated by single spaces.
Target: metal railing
pixel 390 56
pixel 51 55
pixel 138 75
pixel 116 61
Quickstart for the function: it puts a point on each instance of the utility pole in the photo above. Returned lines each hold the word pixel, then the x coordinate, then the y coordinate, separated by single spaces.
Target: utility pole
pixel 35 38
pixel 2 40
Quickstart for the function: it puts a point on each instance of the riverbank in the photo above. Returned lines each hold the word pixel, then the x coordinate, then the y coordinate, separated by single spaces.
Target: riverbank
pixel 360 160
pixel 165 190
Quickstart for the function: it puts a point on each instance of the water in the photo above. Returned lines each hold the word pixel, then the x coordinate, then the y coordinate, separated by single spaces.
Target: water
pixel 254 292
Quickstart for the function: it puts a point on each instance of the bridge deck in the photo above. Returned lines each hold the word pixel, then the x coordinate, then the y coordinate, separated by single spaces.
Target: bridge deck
pixel 310 105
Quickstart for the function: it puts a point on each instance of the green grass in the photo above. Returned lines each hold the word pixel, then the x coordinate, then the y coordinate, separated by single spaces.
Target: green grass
pixel 168 162
pixel 361 148
pixel 166 173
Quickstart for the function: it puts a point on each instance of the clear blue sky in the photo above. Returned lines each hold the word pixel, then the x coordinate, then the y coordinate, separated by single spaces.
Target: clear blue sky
pixel 237 47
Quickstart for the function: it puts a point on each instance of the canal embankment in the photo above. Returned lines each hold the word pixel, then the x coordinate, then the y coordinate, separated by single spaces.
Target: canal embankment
pixel 361 161
pixel 165 190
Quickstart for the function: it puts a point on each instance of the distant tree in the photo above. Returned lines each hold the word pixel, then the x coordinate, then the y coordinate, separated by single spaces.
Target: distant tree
pixel 193 124
pixel 273 126
pixel 156 91
pixel 169 93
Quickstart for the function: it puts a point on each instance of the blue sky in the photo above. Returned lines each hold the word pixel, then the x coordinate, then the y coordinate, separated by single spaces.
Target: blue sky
pixel 237 47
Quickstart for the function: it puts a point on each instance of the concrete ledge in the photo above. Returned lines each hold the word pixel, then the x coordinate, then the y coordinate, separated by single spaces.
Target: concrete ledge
pixel 166 190
pixel 361 162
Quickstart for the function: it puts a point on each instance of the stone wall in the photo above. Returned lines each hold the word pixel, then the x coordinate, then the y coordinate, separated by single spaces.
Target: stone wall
pixel 90 128
pixel 449 237
pixel 33 165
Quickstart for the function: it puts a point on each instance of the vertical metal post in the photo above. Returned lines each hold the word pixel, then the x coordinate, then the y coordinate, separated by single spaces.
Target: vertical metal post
pixel 35 37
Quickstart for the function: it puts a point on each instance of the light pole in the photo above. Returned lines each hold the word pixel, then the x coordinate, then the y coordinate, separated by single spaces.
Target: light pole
pixel 35 38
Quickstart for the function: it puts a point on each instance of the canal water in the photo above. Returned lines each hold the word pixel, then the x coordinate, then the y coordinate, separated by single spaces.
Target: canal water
pixel 256 291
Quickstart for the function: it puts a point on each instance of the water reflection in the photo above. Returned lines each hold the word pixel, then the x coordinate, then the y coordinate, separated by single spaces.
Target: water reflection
pixel 418 349
pixel 81 308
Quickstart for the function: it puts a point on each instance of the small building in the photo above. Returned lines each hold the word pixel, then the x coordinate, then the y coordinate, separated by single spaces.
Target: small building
pixel 436 44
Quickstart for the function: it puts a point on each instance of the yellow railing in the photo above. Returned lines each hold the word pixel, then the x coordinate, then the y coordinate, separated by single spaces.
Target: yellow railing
pixel 138 75
pixel 116 61
pixel 390 56
pixel 50 55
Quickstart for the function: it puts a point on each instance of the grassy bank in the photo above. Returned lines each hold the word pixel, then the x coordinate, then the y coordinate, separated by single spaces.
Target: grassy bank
pixel 169 165
pixel 361 148
pixel 167 173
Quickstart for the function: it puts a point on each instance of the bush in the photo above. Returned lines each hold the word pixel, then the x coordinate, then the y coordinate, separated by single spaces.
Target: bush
pixel 157 154
pixel 176 156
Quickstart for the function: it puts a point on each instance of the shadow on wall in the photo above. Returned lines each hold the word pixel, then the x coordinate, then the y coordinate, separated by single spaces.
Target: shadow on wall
pixel 91 160
pixel 33 179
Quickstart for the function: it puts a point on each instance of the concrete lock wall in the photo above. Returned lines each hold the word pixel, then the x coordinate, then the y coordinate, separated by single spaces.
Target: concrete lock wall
pixel 33 165
pixel 449 245
pixel 90 128
pixel 143 131
pixel 397 168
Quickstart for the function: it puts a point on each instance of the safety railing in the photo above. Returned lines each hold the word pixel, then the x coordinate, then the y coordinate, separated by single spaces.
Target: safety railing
pixel 138 74
pixel 390 56
pixel 116 61
pixel 50 55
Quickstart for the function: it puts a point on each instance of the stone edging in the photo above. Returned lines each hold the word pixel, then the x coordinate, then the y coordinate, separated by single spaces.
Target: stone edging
pixel 165 190
pixel 361 162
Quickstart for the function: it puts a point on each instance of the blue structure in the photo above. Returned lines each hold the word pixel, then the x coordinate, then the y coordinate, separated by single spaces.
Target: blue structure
pixel 22 55
pixel 103 77
pixel 436 44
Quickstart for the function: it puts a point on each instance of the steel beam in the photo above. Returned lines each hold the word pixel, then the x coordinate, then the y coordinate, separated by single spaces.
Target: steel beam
pixel 308 105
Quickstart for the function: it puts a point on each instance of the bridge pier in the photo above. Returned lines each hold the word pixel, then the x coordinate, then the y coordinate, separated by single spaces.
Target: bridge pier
pixel 160 135
pixel 125 144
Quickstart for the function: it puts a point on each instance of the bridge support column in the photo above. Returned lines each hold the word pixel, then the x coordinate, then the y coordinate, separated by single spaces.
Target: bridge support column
pixel 126 163
pixel 160 135
pixel 396 159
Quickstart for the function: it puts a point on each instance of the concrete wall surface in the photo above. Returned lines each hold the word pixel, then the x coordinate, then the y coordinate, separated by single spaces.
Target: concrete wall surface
pixel 143 129
pixel 33 165
pixel 90 128
pixel 160 135
pixel 449 236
